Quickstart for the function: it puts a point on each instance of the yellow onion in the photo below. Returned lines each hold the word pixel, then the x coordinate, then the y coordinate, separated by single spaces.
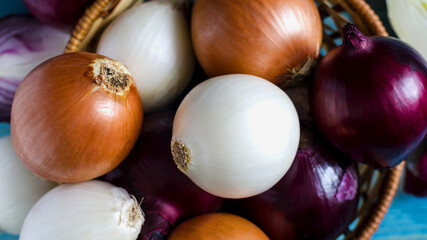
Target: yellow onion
pixel 75 117
pixel 272 39
pixel 217 226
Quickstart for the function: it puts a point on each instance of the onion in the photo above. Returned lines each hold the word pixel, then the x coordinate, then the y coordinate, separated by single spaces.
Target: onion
pixel 370 98
pixel 217 226
pixel 316 199
pixel 24 43
pixel 84 211
pixel 415 181
pixel 235 136
pixel 58 12
pixel 409 21
pixel 153 41
pixel 271 39
pixel 19 188
pixel 150 174
pixel 299 97
pixel 75 117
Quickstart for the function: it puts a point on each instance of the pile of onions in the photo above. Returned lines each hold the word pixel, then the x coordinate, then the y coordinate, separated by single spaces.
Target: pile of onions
pixel 25 42
pixel 153 41
pixel 58 12
pixel 272 39
pixel 370 98
pixel 75 117
pixel 235 136
pixel 316 199
pixel 149 173
pixel 217 226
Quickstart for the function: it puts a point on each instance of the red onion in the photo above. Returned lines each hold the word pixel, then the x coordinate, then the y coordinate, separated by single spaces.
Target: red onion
pixel 370 98
pixel 316 199
pixel 416 172
pixel 24 43
pixel 58 12
pixel 150 174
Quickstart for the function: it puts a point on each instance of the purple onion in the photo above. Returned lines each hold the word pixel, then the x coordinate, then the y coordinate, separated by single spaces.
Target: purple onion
pixel 370 98
pixel 316 199
pixel 150 174
pixel 415 181
pixel 24 43
pixel 58 12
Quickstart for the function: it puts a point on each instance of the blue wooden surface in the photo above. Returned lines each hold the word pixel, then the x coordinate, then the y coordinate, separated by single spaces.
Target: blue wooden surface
pixel 406 219
pixel 407 216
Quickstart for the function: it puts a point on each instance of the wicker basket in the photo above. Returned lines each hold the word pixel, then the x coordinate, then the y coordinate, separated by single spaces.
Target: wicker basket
pixel 377 187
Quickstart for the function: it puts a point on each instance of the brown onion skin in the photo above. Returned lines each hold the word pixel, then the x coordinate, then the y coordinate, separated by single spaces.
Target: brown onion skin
pixel 217 226
pixel 251 37
pixel 67 129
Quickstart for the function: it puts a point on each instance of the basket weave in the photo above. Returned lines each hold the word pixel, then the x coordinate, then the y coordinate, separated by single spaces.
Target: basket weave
pixel 377 187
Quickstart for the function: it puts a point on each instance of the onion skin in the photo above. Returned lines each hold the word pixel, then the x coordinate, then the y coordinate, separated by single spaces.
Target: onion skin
pixel 370 98
pixel 415 181
pixel 157 49
pixel 218 226
pixel 58 12
pixel 316 199
pixel 25 42
pixel 150 173
pixel 65 127
pixel 265 38
pixel 414 184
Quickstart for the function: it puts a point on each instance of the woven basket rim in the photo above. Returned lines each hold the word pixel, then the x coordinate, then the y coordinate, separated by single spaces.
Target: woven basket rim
pixel 372 24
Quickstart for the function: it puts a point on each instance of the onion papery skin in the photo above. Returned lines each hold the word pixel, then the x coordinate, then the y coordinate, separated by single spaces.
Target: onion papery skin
pixel 25 42
pixel 150 174
pixel 156 48
pixel 265 38
pixel 235 135
pixel 19 188
pixel 58 12
pixel 217 226
pixel 370 98
pixel 65 127
pixel 316 199
pixel 84 211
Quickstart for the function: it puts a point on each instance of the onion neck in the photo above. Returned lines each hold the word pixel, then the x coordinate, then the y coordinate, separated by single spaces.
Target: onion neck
pixel 354 41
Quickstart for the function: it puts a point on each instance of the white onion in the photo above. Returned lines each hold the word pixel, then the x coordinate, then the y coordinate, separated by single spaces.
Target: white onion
pixel 235 136
pixel 84 211
pixel 153 41
pixel 409 21
pixel 19 188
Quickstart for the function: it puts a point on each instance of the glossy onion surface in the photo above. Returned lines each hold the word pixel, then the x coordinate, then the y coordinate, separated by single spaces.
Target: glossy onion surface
pixel 370 98
pixel 69 126
pixel 265 38
pixel 235 136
